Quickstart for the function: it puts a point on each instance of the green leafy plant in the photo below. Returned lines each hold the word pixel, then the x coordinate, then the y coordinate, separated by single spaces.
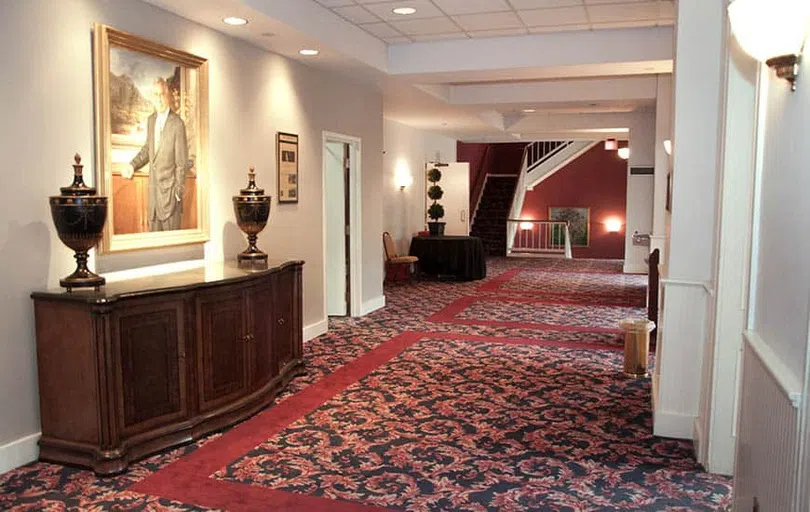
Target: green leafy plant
pixel 435 192
pixel 436 211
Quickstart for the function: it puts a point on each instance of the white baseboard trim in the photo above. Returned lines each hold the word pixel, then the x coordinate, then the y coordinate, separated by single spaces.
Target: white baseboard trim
pixel 312 331
pixel 673 425
pixel 18 453
pixel 635 268
pixel 372 305
pixel 697 442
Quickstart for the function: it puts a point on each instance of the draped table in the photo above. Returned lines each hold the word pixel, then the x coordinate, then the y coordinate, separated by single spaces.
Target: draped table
pixel 458 256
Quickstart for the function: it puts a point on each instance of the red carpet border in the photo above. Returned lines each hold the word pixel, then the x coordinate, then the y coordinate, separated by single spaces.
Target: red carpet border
pixel 503 400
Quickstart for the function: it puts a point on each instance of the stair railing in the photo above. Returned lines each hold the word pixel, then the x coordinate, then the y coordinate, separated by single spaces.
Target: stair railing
pixel 538 152
pixel 479 182
pixel 517 200
pixel 545 237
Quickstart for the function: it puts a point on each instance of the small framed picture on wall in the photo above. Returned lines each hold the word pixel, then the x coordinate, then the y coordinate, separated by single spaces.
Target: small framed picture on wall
pixel 287 158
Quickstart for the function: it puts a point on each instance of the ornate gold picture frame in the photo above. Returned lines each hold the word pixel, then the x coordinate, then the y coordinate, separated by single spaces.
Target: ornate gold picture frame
pixel 151 124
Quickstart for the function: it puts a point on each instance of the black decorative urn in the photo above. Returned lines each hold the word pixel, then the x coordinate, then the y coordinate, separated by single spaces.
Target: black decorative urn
pixel 79 215
pixel 252 208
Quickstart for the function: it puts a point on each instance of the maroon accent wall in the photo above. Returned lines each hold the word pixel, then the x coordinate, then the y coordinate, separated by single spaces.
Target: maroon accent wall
pixel 489 158
pixel 598 180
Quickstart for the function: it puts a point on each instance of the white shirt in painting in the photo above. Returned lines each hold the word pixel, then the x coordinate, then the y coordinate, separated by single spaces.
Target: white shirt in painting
pixel 160 122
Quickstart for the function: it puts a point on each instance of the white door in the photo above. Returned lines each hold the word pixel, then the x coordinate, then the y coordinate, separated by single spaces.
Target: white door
pixel 335 230
pixel 456 200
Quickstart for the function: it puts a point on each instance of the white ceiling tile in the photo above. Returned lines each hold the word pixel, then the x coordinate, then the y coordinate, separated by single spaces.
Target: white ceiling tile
pixel 424 9
pixel 543 4
pixel 559 28
pixel 548 17
pixel 488 21
pixel 396 40
pixel 498 33
pixel 472 6
pixel 441 25
pixel 439 37
pixel 381 30
pixel 356 14
pixel 611 13
pixel 335 3
pixel 625 24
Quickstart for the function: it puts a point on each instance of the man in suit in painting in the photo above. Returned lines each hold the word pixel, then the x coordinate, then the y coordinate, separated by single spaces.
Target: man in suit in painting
pixel 166 152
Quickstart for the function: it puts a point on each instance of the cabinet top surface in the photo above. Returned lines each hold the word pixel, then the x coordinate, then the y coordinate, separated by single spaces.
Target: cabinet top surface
pixel 212 273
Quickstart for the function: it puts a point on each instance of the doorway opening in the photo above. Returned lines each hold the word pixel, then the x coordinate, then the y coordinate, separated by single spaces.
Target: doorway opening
pixel 341 225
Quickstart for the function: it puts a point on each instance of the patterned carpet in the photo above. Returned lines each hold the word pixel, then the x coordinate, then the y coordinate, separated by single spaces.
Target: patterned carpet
pixel 450 398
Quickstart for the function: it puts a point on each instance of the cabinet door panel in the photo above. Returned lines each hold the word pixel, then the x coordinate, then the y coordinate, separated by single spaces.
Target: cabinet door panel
pixel 284 324
pixel 221 349
pixel 261 321
pixel 150 346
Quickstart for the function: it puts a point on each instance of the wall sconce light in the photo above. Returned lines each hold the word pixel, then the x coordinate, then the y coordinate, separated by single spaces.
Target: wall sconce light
pixel 624 153
pixel 526 226
pixel 611 145
pixel 773 32
pixel 613 225
pixel 404 180
pixel 668 146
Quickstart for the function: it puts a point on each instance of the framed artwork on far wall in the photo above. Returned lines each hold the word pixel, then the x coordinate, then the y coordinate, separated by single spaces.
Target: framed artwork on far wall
pixel 579 222
pixel 151 132
pixel 287 158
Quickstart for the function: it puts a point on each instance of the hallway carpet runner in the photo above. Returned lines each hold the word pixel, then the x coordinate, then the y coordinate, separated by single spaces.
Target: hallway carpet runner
pixel 414 408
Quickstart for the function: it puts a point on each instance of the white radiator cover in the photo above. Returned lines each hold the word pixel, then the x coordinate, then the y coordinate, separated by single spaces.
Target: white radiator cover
pixel 768 441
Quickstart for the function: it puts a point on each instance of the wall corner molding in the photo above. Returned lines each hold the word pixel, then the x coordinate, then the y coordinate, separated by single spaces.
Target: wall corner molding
pixel 19 452
pixel 316 329
pixel 372 305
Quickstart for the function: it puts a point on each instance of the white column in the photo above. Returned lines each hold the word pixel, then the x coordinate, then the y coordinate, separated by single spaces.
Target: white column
pixel 663 131
pixel 687 272
pixel 639 212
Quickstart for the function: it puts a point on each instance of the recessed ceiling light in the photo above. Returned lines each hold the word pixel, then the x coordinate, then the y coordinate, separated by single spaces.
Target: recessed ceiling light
pixel 404 10
pixel 308 52
pixel 235 21
pixel 529 111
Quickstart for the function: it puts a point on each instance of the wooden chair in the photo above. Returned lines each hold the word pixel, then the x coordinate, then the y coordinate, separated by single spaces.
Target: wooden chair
pixel 393 262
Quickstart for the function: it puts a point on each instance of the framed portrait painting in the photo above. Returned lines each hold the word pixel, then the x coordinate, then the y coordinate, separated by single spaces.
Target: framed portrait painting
pixel 578 219
pixel 151 122
pixel 287 158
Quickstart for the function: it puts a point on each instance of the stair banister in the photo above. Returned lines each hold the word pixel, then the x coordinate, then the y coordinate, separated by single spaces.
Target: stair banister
pixel 517 201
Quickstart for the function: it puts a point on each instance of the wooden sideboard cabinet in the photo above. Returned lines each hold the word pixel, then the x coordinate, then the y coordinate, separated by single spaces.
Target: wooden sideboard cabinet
pixel 149 363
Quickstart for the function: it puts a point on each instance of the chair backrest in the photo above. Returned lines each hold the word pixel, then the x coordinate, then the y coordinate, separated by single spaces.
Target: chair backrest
pixel 388 245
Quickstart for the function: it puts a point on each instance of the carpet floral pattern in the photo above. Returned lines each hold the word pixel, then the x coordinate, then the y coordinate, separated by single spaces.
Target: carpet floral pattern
pixel 629 289
pixel 470 425
pixel 511 311
pixel 580 433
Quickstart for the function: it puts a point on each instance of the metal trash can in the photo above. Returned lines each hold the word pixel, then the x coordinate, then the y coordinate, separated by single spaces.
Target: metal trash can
pixel 636 345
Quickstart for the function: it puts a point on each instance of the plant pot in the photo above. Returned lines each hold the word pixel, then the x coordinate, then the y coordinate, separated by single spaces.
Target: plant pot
pixel 436 228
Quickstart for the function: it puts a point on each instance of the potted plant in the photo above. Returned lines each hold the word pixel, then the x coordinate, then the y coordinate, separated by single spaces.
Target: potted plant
pixel 435 211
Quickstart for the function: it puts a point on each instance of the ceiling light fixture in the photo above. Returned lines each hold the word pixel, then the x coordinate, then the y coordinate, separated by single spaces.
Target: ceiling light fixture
pixel 404 11
pixel 772 32
pixel 234 21
pixel 529 111
pixel 308 52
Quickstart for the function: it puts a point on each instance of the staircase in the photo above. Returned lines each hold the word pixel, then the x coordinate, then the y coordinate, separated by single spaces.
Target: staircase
pixel 489 223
